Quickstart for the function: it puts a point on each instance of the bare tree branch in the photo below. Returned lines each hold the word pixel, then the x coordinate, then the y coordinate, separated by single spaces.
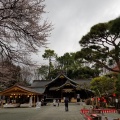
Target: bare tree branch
pixel 22 28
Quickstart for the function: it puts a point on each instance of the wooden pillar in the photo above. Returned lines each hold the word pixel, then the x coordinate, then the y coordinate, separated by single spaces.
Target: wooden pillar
pixel 61 94
pixel 1 103
pixel 30 101
pixel 34 100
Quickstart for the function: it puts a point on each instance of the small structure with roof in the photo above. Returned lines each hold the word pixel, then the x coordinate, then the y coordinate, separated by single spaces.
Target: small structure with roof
pixel 17 95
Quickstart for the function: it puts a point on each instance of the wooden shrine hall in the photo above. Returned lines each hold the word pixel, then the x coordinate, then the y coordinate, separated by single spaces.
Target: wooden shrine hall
pixel 47 90
pixel 61 87
pixel 19 96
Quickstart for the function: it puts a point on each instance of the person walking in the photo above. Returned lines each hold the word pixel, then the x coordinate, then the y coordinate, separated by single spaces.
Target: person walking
pixel 66 103
pixel 58 102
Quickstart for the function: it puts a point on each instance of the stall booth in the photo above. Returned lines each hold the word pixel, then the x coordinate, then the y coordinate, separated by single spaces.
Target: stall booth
pixel 19 96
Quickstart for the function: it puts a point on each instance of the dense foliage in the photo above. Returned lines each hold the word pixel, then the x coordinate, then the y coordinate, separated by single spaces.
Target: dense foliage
pixel 102 45
pixel 102 85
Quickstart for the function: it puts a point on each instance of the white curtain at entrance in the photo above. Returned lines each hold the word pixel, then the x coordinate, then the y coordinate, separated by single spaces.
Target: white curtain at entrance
pixel 30 102
pixel 38 103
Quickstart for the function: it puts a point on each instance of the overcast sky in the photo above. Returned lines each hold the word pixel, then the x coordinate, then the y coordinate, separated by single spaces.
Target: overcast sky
pixel 72 19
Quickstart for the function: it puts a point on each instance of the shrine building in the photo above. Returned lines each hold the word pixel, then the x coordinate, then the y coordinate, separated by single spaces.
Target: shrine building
pixel 61 87
pixel 58 88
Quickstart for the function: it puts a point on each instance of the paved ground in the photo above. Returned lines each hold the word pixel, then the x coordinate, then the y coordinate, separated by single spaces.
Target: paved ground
pixel 44 113
pixel 48 112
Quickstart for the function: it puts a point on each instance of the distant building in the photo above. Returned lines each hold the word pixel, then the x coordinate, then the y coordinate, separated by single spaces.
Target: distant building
pixel 61 87
pixel 19 96
pixel 58 88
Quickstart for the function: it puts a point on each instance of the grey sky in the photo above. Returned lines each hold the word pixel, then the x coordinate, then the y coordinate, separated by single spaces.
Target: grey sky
pixel 72 19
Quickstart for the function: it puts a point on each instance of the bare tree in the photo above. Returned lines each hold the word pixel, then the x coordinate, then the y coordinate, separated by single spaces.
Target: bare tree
pixel 22 29
pixel 26 74
pixel 9 73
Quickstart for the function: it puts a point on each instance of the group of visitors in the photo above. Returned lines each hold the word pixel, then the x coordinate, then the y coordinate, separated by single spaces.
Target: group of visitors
pixel 56 103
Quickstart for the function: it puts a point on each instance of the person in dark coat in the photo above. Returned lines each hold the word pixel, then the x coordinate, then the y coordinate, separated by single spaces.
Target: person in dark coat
pixel 66 103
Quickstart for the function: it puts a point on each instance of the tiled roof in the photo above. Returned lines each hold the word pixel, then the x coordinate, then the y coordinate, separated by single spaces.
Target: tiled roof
pixel 67 82
pixel 40 90
pixel 40 83
pixel 60 75
pixel 25 89
pixel 43 83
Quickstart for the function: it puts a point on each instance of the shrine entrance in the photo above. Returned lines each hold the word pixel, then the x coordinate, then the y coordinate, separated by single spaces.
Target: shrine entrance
pixel 69 93
pixel 62 87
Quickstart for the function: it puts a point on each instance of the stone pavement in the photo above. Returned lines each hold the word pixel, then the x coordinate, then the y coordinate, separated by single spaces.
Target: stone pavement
pixel 48 112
